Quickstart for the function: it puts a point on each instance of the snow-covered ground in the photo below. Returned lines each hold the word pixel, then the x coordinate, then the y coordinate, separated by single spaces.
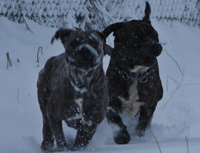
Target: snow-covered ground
pixel 176 118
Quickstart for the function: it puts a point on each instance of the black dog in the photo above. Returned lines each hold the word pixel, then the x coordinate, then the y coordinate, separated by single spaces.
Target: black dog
pixel 133 77
pixel 72 87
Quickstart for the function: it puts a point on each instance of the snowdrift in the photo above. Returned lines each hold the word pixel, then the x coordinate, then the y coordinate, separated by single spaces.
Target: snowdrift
pixel 176 117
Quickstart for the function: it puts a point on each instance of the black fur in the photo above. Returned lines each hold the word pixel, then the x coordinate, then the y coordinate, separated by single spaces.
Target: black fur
pixel 136 44
pixel 76 75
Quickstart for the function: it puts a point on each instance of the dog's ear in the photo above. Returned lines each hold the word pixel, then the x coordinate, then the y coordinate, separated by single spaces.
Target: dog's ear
pixel 112 28
pixel 147 12
pixel 108 50
pixel 102 36
pixel 63 34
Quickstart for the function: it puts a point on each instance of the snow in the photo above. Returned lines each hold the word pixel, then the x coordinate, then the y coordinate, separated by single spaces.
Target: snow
pixel 176 118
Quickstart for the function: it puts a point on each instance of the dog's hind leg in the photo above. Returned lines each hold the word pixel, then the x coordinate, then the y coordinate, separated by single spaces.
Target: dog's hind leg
pixel 120 133
pixel 48 140
pixel 146 114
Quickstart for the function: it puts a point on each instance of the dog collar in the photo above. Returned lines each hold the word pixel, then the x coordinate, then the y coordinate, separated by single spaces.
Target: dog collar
pixel 143 77
pixel 83 70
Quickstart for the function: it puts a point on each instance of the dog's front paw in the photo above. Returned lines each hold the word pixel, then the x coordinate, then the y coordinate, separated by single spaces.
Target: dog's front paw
pixel 47 146
pixel 122 137
pixel 61 149
pixel 77 148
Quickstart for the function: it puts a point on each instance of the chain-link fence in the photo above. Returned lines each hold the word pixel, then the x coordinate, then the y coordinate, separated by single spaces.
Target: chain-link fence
pixel 96 14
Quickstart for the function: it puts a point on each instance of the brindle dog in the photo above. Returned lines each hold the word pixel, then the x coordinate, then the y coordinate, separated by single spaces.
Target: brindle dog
pixel 133 76
pixel 72 87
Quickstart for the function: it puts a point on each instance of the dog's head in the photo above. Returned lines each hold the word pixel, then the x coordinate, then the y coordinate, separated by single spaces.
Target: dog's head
pixel 135 40
pixel 83 53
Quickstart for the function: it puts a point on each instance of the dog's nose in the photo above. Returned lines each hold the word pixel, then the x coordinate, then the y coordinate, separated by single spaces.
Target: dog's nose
pixel 153 47
pixel 157 49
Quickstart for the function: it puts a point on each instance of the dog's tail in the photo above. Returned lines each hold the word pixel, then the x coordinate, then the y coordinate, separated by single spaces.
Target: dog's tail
pixel 147 12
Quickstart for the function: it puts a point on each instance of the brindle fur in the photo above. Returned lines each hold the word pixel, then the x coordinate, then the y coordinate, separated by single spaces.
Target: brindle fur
pixel 60 100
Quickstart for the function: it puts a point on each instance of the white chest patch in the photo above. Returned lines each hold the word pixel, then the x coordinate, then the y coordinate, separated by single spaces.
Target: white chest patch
pixel 79 102
pixel 132 105
pixel 139 69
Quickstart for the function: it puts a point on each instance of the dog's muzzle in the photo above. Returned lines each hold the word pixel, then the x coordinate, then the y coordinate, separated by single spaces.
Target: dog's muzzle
pixel 153 47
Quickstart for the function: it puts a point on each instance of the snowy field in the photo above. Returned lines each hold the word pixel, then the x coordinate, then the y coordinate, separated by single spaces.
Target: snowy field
pixel 176 118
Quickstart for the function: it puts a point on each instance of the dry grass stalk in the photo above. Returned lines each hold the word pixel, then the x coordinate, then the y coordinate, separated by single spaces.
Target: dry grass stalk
pixel 188 151
pixel 179 84
pixel 24 18
pixel 9 63
pixel 155 140
pixel 38 52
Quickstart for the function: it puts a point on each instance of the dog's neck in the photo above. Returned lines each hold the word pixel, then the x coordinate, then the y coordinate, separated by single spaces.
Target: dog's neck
pixel 77 89
pixel 138 69
pixel 137 73
pixel 95 78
